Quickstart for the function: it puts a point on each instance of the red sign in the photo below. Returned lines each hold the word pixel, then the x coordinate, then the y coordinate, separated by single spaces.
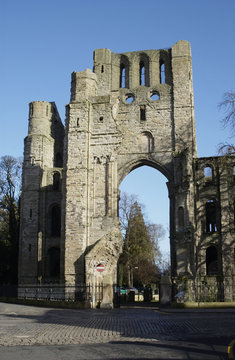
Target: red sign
pixel 100 267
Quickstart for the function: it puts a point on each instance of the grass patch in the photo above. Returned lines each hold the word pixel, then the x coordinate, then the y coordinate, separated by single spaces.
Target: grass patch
pixel 204 305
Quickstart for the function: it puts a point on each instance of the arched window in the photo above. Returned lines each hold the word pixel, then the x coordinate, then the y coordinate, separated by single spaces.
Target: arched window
pixel 55 220
pixel 124 72
pixel 144 70
pixel 211 216
pixel 181 217
pixel 54 261
pixel 211 260
pixel 56 181
pixel 162 72
pixel 142 73
pixel 122 76
pixel 208 173
pixel 58 160
pixel 146 142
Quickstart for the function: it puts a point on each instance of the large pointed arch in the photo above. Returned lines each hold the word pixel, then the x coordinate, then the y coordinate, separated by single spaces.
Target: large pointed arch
pixel 133 164
pixel 136 163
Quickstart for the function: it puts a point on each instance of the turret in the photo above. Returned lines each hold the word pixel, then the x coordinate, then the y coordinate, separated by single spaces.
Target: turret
pixel 45 134
pixel 103 70
pixel 83 85
pixel 40 113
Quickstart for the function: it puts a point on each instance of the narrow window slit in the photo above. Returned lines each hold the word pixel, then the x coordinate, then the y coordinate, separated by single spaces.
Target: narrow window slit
pixel 181 217
pixel 122 76
pixel 162 73
pixel 142 112
pixel 142 73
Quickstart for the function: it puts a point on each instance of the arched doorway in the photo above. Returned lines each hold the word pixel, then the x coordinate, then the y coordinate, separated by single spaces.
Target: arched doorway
pixel 147 189
pixel 150 187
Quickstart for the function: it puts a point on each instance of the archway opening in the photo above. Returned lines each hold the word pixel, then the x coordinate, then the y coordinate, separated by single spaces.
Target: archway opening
pixel 145 187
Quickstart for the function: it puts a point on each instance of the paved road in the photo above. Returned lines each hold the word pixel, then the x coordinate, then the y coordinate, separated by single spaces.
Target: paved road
pixel 128 333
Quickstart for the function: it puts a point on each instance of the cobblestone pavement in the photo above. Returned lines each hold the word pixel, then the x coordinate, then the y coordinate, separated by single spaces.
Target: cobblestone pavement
pixel 26 325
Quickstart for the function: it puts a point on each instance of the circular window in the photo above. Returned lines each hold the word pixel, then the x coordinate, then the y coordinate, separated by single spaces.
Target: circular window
pixel 154 95
pixel 129 98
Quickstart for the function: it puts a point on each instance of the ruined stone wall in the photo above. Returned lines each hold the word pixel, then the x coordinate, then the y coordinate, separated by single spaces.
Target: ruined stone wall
pixel 133 109
pixel 115 125
pixel 215 221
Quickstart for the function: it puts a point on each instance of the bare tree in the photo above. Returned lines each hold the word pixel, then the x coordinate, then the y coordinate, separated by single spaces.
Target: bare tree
pixel 125 205
pixel 156 233
pixel 10 184
pixel 228 105
pixel 10 178
pixel 228 121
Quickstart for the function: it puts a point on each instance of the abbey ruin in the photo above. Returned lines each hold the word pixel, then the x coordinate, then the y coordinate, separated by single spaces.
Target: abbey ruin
pixel 133 109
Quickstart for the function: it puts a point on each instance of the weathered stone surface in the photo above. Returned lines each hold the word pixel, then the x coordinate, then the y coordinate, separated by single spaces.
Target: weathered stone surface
pixel 135 109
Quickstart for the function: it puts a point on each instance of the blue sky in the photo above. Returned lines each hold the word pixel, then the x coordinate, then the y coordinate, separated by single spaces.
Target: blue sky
pixel 42 42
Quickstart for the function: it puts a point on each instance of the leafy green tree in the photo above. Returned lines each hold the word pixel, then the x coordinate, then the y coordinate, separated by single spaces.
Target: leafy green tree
pixel 10 183
pixel 141 249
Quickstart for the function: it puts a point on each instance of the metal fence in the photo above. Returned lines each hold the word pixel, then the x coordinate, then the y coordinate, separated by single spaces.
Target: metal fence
pixel 205 292
pixel 215 292
pixel 202 292
pixel 82 292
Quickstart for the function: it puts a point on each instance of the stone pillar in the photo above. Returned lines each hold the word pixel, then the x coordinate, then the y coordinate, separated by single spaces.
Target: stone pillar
pixel 165 291
pixel 107 302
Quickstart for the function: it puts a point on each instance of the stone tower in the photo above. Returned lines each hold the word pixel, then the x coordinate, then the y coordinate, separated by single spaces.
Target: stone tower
pixel 41 195
pixel 133 109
